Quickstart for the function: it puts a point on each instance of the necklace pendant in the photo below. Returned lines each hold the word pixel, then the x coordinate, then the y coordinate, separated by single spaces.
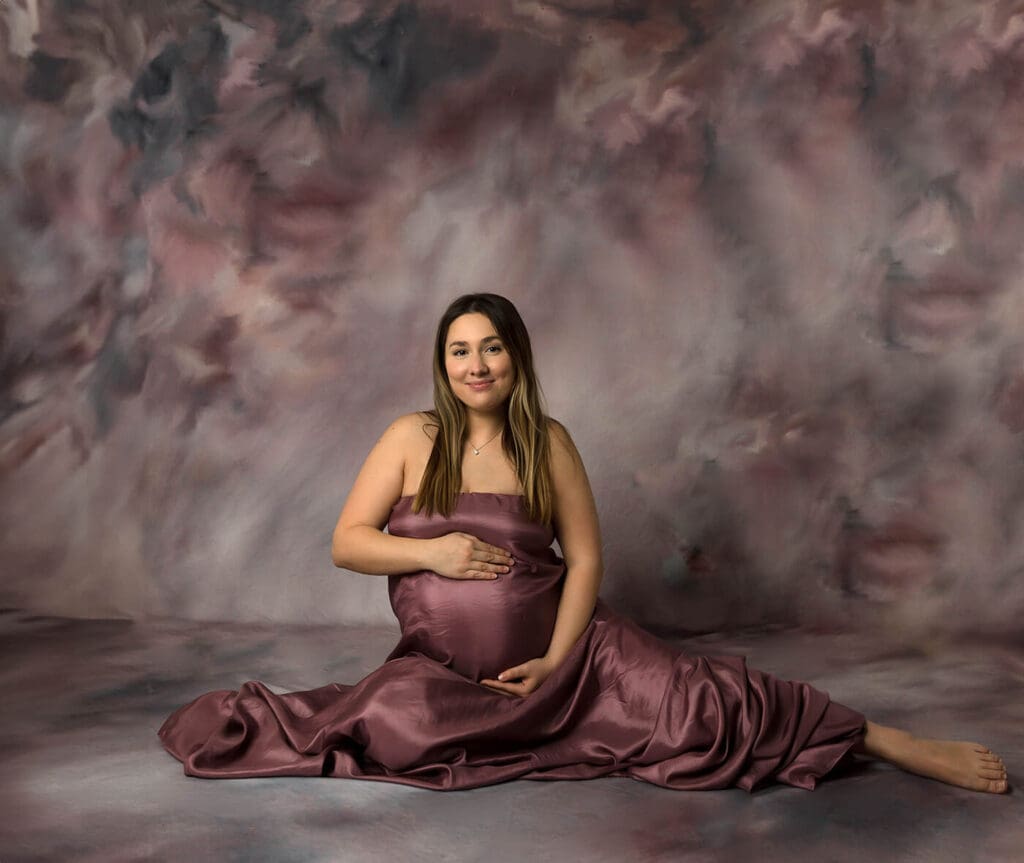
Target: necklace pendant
pixel 476 451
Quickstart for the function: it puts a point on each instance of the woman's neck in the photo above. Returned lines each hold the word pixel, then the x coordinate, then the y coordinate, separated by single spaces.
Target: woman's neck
pixel 482 427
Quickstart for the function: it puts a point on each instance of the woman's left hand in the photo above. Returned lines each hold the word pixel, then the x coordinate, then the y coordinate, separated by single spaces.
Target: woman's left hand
pixel 524 678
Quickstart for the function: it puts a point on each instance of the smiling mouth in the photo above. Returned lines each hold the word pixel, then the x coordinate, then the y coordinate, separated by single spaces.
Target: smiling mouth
pixel 480 384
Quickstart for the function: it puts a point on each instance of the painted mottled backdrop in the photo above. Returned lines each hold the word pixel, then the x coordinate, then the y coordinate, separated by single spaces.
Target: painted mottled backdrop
pixel 769 254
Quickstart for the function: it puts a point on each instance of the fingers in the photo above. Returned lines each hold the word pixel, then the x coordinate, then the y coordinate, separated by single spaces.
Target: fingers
pixel 506 688
pixel 490 561
pixel 488 570
pixel 499 558
pixel 492 552
pixel 485 560
pixel 501 553
pixel 522 688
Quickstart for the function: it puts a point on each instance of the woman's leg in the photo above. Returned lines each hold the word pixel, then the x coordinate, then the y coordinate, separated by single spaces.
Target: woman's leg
pixel 969 765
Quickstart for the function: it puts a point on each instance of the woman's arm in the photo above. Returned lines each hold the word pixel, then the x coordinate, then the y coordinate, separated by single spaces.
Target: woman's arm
pixel 359 543
pixel 579 536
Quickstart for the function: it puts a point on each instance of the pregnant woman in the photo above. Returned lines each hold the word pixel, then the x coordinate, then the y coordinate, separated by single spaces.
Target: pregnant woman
pixel 509 665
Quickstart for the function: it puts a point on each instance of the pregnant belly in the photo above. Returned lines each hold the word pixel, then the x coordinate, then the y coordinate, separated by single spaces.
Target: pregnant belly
pixel 477 628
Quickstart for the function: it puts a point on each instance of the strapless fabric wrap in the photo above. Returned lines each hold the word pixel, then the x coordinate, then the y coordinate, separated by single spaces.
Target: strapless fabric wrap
pixel 622 703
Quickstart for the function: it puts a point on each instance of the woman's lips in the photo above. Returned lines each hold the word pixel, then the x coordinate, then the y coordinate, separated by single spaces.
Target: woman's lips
pixel 480 386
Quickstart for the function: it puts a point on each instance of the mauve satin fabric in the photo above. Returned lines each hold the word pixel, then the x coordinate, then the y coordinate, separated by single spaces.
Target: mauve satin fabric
pixel 622 703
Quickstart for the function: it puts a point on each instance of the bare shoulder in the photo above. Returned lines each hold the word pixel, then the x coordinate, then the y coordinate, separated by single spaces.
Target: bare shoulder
pixel 564 455
pixel 420 429
pixel 398 446
pixel 576 524
pixel 412 427
pixel 378 484
pixel 424 422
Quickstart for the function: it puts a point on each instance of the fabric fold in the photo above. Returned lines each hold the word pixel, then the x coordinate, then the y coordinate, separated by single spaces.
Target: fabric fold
pixel 622 703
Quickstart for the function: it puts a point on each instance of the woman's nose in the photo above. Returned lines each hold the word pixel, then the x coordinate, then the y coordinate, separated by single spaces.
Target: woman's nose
pixel 478 365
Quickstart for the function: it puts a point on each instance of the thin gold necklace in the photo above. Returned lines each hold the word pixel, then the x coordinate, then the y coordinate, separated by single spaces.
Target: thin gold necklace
pixel 476 450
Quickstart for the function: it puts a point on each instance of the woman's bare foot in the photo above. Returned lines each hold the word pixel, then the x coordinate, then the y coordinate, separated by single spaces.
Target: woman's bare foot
pixel 969 765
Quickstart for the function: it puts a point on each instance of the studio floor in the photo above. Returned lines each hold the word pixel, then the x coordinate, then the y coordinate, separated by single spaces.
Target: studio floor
pixel 83 776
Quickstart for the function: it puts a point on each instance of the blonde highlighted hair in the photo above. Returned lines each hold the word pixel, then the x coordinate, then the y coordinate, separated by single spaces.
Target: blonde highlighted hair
pixel 525 438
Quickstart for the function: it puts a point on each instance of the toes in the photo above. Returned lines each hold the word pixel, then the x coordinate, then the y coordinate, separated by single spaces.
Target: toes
pixel 990 757
pixel 992 773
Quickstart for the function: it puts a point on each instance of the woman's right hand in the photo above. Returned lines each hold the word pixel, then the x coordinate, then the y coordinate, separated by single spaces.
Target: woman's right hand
pixel 462 555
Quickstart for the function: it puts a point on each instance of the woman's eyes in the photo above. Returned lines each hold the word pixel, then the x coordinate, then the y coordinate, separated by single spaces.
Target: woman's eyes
pixel 458 352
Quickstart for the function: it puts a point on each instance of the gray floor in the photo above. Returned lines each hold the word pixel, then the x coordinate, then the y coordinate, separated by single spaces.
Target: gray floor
pixel 85 778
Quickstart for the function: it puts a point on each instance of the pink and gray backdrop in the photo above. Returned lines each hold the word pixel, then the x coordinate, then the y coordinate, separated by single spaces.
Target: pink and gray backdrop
pixel 769 255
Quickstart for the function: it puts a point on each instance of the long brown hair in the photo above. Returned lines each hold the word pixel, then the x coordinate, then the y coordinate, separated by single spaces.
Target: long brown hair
pixel 525 437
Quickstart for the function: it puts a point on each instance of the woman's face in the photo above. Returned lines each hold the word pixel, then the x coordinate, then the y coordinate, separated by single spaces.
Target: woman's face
pixel 478 364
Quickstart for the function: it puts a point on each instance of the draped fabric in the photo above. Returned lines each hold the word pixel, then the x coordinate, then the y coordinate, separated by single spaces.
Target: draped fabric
pixel 622 703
